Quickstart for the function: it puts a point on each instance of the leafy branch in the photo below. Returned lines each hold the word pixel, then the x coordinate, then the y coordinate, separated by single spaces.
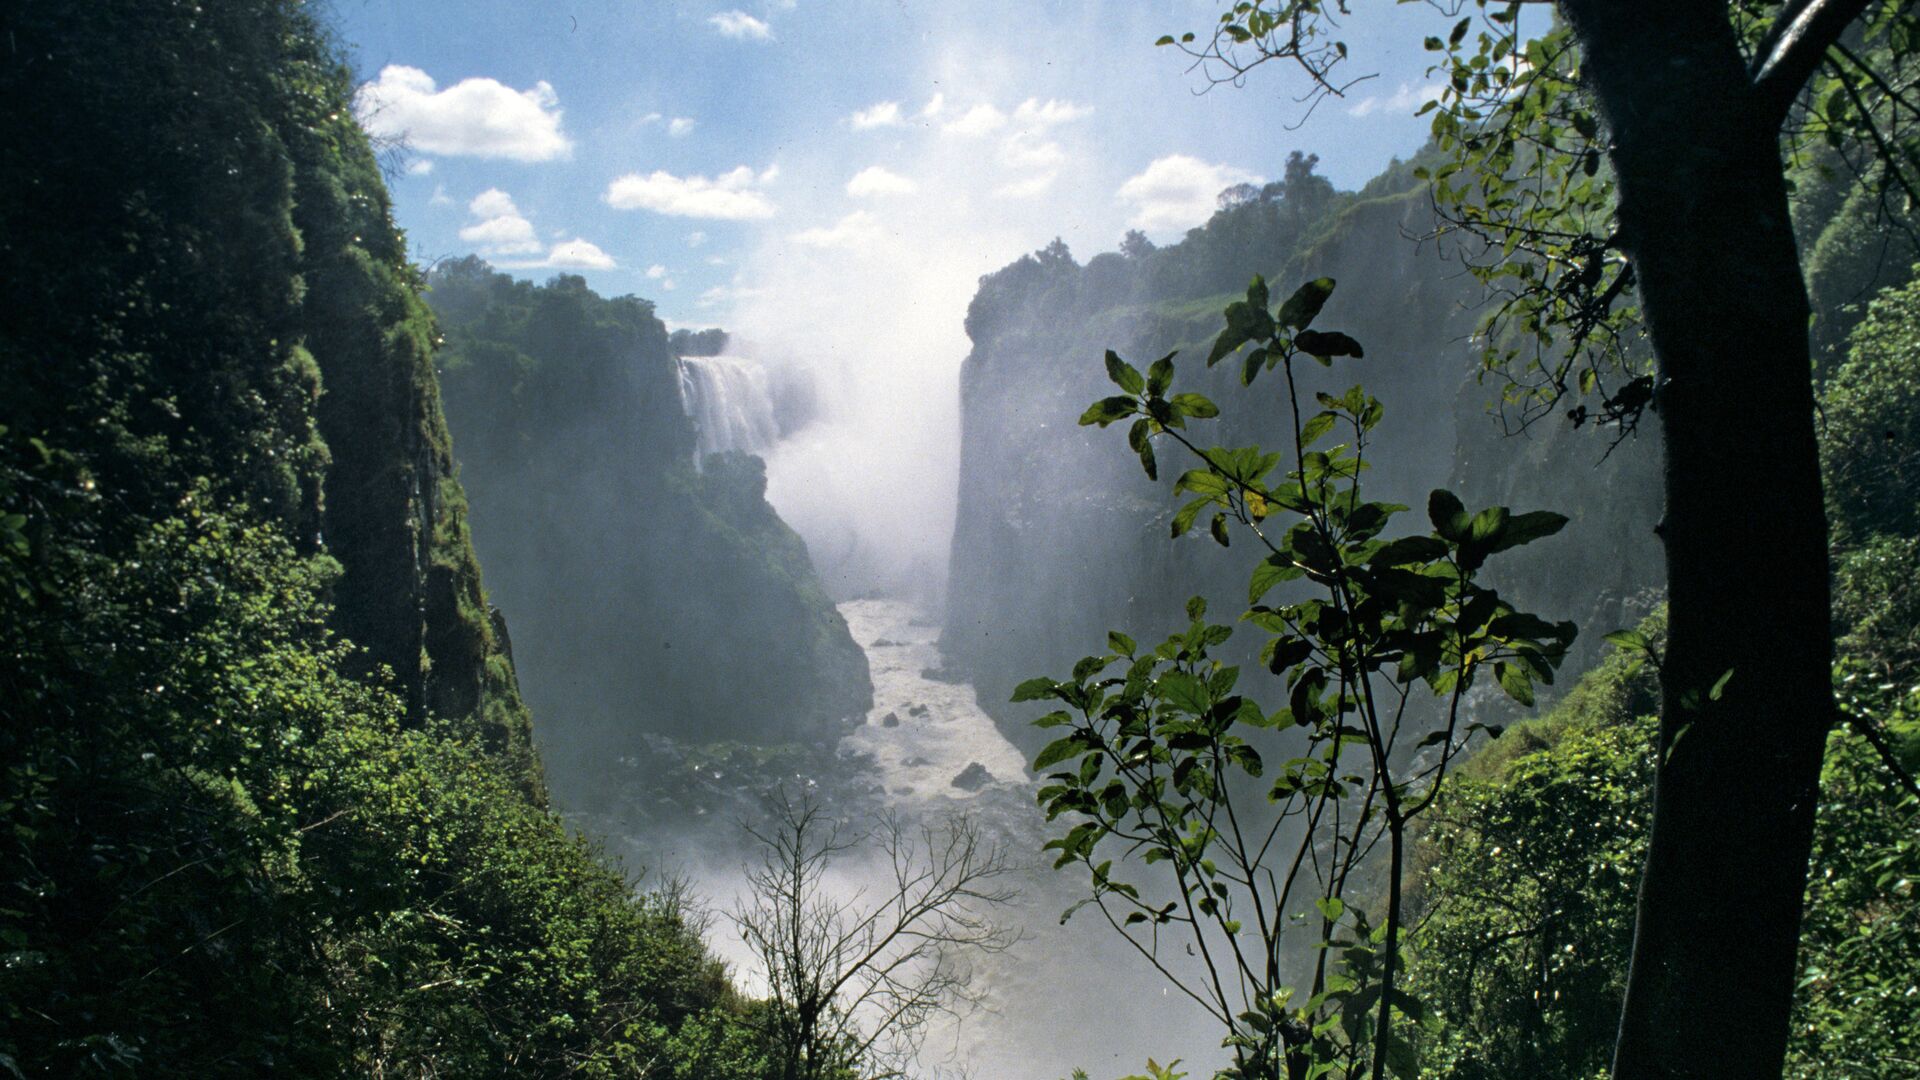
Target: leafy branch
pixel 1158 768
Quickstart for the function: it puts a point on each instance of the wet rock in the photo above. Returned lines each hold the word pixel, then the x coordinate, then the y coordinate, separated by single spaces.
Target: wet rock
pixel 892 719
pixel 903 791
pixel 941 674
pixel 916 763
pixel 972 778
pixel 885 643
pixel 917 710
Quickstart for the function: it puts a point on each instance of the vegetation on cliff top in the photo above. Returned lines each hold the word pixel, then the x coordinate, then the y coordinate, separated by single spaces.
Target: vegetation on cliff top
pixel 270 800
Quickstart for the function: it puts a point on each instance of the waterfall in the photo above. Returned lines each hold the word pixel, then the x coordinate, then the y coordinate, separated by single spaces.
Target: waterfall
pixel 730 402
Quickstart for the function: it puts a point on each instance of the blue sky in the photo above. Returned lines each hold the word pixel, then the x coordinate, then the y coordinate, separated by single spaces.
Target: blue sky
pixel 551 103
pixel 828 181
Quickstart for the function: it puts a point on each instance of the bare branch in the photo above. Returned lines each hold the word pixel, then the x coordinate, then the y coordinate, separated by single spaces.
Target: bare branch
pixel 853 981
pixel 1795 48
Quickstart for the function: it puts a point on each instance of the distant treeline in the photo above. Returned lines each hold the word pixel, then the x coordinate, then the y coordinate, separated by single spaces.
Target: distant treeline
pixel 710 342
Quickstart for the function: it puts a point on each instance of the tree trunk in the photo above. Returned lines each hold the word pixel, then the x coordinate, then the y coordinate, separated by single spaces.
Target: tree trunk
pixel 1704 217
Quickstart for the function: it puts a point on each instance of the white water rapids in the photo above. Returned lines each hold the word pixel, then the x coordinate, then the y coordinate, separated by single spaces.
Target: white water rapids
pixel 1069 994
pixel 937 729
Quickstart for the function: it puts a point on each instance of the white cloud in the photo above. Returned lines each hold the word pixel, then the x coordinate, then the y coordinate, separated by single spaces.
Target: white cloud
pixel 1406 99
pixel 1026 150
pixel 1028 188
pixel 575 254
pixel 982 119
pixel 723 294
pixel 474 117
pixel 933 106
pixel 656 271
pixel 501 228
pixel 578 254
pixel 874 180
pixel 727 197
pixel 741 26
pixel 1035 113
pixel 770 174
pixel 493 203
pixel 1178 191
pixel 440 196
pixel 859 229
pixel 680 126
pixel 651 118
pixel 419 167
pixel 696 238
pixel 883 114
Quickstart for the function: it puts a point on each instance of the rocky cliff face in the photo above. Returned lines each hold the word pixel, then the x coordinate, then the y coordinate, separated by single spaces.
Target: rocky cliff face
pixel 394 513
pixel 208 302
pixel 1059 536
pixel 651 593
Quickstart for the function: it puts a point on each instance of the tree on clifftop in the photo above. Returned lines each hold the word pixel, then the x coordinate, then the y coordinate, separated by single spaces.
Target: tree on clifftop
pixel 1629 168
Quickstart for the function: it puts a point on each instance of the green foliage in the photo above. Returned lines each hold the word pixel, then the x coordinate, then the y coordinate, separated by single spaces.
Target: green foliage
pixel 1531 898
pixel 229 845
pixel 1527 899
pixel 1869 432
pixel 1870 424
pixel 224 856
pixel 1160 752
pixel 1860 951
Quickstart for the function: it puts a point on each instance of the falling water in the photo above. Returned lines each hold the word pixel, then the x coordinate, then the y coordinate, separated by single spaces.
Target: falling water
pixel 731 403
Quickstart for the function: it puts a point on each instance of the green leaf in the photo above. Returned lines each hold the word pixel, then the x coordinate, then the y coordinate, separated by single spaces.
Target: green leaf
pixel 1033 690
pixel 1449 517
pixel 1408 549
pixel 1251 367
pixel 1630 639
pixel 1528 527
pixel 1316 428
pixel 1288 651
pixel 1120 643
pixel 1257 293
pixel 1183 691
pixel 1720 686
pixel 1488 525
pixel 1183 520
pixel 1305 303
pixel 1160 375
pixel 1271 571
pixel 1123 374
pixel 1107 410
pixel 1196 406
pixel 1327 344
pixel 1058 751
pixel 1219 530
pixel 1223 345
pixel 1515 681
